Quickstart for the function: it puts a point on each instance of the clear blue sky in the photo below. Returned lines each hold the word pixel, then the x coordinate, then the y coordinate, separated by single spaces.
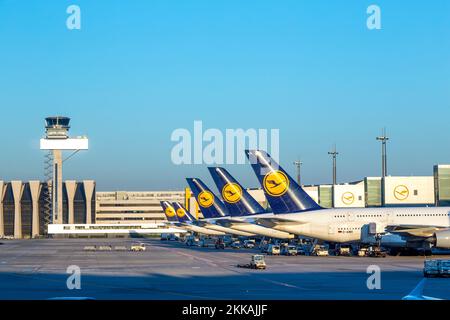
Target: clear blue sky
pixel 140 69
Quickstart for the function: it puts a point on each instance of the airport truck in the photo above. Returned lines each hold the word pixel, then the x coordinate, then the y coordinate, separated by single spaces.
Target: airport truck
pixel 320 251
pixel 258 263
pixel 249 244
pixel 344 250
pixel 236 245
pixel 273 250
pixel 289 250
pixel 377 252
pixel 138 247
pixel 436 268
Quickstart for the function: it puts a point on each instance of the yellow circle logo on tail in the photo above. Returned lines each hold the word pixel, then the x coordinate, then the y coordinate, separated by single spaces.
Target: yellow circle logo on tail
pixel 232 193
pixel 206 199
pixel 276 183
pixel 348 198
pixel 181 213
pixel 170 212
pixel 401 193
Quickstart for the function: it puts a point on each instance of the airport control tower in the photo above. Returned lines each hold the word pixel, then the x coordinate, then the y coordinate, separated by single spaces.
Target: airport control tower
pixel 55 142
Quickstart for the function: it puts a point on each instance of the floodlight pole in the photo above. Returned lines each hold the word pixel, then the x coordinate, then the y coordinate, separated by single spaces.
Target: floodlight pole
pixel 384 139
pixel 298 164
pixel 334 155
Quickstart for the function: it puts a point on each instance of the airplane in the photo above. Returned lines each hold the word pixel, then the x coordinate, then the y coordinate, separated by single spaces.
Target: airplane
pixel 296 212
pixel 236 198
pixel 182 219
pixel 417 294
pixel 210 204
pixel 211 226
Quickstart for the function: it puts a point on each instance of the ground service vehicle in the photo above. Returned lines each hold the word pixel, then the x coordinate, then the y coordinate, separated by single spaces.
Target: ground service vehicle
pixel 249 244
pixel 207 242
pixel 376 252
pixel 258 263
pixel 363 252
pixel 220 245
pixel 344 251
pixel 274 250
pixel 321 251
pixel 138 247
pixel 289 251
pixel 228 241
pixel 301 250
pixel 436 268
pixel 192 241
pixel 373 252
pixel 236 245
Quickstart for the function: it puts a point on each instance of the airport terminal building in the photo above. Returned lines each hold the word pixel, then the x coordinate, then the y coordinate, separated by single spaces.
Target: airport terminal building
pixel 23 207
pixel 123 207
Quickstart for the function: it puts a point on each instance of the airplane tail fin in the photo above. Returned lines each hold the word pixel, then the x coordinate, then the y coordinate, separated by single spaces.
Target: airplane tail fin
pixel 237 199
pixel 283 193
pixel 183 215
pixel 210 205
pixel 419 290
pixel 169 211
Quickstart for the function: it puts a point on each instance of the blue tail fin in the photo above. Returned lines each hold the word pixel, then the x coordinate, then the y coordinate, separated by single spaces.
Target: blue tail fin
pixel 169 211
pixel 283 193
pixel 210 205
pixel 182 214
pixel 237 199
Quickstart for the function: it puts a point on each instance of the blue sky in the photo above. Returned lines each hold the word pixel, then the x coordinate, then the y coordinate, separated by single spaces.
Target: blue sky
pixel 137 70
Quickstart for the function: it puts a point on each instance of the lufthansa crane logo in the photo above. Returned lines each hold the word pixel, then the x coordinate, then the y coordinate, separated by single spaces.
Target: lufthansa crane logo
pixel 206 199
pixel 181 213
pixel 170 212
pixel 232 193
pixel 348 198
pixel 276 183
pixel 401 193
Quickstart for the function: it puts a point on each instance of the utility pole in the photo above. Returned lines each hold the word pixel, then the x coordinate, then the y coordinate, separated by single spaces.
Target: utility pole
pixel 298 164
pixel 334 155
pixel 384 139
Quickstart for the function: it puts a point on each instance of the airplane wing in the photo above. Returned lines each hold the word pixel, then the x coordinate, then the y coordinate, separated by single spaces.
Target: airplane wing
pixel 414 230
pixel 228 223
pixel 273 221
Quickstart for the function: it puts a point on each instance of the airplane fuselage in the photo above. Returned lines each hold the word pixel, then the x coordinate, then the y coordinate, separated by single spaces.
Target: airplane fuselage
pixel 345 225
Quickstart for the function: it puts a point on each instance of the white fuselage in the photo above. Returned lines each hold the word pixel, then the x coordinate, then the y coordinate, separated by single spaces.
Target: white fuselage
pixel 345 225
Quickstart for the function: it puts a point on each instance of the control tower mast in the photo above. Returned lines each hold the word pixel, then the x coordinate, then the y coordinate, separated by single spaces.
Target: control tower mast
pixel 56 141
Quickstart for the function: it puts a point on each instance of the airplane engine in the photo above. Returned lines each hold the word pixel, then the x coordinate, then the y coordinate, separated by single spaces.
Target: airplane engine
pixel 442 239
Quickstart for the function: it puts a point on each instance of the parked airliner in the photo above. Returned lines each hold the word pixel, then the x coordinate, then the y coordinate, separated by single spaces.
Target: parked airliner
pixel 296 212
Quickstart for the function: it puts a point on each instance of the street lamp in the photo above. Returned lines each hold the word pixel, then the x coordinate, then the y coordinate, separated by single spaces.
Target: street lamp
pixel 298 165
pixel 334 155
pixel 384 139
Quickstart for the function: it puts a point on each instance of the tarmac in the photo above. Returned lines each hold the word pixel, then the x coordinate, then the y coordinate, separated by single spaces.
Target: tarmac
pixel 37 270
